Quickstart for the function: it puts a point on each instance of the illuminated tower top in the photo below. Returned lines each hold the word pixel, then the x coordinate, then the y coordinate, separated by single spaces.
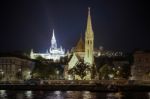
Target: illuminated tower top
pixel 89 31
pixel 53 41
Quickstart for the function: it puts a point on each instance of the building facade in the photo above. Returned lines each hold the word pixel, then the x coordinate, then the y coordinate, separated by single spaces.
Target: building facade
pixel 140 69
pixel 14 68
pixel 53 53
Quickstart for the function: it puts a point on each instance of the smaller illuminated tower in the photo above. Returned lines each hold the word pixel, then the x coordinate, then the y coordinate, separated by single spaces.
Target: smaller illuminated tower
pixel 53 41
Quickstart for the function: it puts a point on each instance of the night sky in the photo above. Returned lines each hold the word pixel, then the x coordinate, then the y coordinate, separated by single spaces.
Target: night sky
pixel 117 24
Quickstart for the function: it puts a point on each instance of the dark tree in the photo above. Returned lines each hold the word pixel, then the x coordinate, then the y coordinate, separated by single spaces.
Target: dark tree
pixel 80 69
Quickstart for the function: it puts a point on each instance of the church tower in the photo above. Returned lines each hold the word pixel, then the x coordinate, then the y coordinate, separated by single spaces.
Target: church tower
pixel 53 41
pixel 89 41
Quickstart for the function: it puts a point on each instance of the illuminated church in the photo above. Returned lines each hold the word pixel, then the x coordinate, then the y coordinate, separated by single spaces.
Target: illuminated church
pixel 53 53
pixel 83 51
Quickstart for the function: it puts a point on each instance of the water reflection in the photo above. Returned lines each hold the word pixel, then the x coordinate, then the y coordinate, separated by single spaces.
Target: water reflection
pixel 117 95
pixel 28 94
pixel 54 95
pixel 88 95
pixel 148 95
pixel 72 95
pixel 6 94
pixel 19 95
pixel 3 94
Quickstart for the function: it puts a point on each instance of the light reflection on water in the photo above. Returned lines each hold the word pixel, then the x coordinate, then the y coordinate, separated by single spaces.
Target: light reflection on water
pixel 88 95
pixel 19 96
pixel 29 94
pixel 54 95
pixel 117 95
pixel 5 94
pixel 72 95
pixel 148 95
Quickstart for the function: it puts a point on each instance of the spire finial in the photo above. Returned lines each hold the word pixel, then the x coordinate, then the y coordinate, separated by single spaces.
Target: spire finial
pixel 53 40
pixel 89 10
pixel 89 23
pixel 53 35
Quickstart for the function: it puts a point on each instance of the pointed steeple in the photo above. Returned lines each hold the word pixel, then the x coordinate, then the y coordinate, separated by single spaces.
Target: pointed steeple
pixel 53 41
pixel 53 36
pixel 89 41
pixel 89 30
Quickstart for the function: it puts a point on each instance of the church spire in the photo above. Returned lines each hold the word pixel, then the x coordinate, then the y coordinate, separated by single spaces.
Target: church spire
pixel 53 41
pixel 89 30
pixel 89 41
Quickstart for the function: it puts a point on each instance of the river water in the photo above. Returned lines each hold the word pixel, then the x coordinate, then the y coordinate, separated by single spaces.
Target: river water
pixel 7 94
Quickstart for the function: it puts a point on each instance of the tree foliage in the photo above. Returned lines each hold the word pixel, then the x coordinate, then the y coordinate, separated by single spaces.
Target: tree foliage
pixel 46 70
pixel 104 71
pixel 81 69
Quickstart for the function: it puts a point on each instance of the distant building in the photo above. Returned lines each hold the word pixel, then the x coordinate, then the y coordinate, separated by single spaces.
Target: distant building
pixel 53 53
pixel 14 68
pixel 107 53
pixel 140 69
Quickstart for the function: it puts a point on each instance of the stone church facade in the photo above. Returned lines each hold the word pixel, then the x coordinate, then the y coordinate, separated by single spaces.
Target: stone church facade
pixel 82 51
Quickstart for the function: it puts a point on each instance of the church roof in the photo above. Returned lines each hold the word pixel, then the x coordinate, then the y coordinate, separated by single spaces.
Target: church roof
pixel 80 46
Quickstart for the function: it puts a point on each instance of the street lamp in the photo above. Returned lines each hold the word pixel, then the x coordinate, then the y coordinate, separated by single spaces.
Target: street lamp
pixel 57 73
pixel 111 76
pixel 1 74
pixel 28 75
pixel 19 74
pixel 19 69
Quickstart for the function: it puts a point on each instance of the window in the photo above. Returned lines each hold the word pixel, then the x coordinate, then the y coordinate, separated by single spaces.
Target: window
pixel 88 42
pixel 88 53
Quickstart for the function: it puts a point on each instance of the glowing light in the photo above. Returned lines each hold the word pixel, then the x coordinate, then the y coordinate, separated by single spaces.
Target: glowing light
pixel 70 77
pixel 58 93
pixel 3 93
pixel 87 95
pixel 29 94
pixel 57 72
pixel 111 76
pixel 117 72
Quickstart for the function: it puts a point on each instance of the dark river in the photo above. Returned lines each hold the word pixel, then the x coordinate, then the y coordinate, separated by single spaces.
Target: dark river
pixel 6 94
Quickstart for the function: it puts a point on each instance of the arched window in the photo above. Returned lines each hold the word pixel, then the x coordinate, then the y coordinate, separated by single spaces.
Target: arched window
pixel 88 42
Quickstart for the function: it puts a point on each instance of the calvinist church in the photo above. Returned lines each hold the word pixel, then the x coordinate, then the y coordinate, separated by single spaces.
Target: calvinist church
pixel 82 51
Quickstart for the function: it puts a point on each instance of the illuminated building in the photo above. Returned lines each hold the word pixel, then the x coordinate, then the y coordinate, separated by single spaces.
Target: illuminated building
pixel 53 53
pixel 13 68
pixel 83 51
